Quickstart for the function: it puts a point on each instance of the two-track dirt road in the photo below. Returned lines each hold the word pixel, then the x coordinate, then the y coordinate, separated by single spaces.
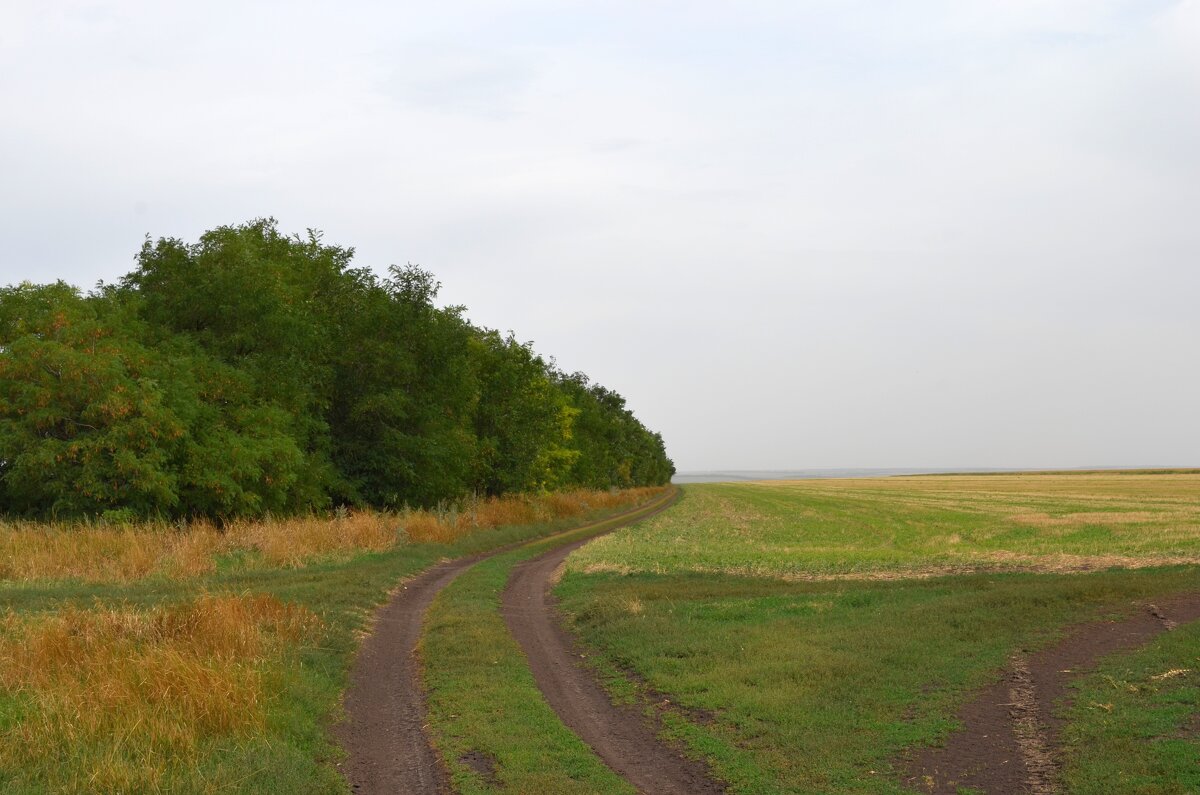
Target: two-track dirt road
pixel 388 749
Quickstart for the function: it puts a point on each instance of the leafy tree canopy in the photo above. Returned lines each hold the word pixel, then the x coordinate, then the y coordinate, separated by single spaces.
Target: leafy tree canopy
pixel 254 372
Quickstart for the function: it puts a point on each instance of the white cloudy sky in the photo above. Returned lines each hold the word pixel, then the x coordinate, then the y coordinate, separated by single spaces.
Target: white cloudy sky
pixel 792 234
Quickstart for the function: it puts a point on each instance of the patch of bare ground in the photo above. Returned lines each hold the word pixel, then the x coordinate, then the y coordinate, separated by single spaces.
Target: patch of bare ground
pixel 1190 729
pixel 1010 730
pixel 482 764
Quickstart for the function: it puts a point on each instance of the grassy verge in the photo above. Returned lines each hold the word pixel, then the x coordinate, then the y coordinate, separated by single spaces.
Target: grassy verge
pixel 194 684
pixel 487 717
pixel 123 553
pixel 1135 723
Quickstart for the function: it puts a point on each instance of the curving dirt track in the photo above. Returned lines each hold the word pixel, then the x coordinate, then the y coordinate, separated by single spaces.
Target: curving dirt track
pixel 383 734
pixel 621 735
pixel 1009 736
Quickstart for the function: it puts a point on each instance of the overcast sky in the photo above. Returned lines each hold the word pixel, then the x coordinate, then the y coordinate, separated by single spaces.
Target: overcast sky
pixel 792 234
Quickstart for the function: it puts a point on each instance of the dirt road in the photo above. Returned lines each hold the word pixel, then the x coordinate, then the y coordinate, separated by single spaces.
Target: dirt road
pixel 384 736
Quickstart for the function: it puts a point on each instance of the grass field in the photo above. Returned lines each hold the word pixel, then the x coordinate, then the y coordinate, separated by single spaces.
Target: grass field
pixel 809 634
pixel 889 527
pixel 153 659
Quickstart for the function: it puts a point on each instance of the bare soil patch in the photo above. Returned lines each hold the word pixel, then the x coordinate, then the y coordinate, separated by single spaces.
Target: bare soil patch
pixel 482 764
pixel 1008 743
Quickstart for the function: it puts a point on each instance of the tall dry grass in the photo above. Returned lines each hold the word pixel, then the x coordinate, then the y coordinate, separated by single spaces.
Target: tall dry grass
pixel 296 541
pixel 445 525
pixel 96 553
pixel 46 551
pixel 138 691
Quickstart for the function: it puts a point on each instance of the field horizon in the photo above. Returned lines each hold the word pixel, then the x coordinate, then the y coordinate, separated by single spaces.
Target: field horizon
pixel 733 475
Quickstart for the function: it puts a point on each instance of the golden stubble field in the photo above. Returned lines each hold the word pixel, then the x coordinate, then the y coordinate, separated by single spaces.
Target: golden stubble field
pixel 916 526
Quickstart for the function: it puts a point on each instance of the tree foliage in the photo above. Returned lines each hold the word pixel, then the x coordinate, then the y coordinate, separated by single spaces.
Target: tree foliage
pixel 253 372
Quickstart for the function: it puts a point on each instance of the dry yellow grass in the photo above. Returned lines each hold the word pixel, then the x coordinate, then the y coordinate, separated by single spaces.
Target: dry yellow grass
pixel 33 551
pixel 1174 487
pixel 447 525
pixel 294 542
pixel 117 699
pixel 160 681
pixel 96 553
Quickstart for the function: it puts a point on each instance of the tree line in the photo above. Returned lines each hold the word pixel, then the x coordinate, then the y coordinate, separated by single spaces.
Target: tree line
pixel 254 372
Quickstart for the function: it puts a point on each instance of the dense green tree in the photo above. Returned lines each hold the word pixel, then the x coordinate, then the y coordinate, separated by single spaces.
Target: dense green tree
pixel 254 372
pixel 615 449
pixel 523 422
pixel 262 302
pixel 83 424
pixel 405 394
pixel 93 419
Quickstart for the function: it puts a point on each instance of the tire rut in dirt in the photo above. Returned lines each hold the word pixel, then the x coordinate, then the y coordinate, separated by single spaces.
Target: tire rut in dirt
pixel 623 736
pixel 1009 739
pixel 384 735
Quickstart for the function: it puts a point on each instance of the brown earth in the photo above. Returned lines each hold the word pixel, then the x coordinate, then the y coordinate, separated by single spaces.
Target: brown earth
pixel 383 734
pixel 625 737
pixel 1010 730
pixel 384 731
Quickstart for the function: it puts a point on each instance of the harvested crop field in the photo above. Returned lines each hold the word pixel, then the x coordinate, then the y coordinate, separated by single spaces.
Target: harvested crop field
pixel 916 526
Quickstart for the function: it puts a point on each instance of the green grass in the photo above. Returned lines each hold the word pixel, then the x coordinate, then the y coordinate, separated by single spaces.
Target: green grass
pixel 302 684
pixel 791 681
pixel 1135 724
pixel 819 687
pixel 483 698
